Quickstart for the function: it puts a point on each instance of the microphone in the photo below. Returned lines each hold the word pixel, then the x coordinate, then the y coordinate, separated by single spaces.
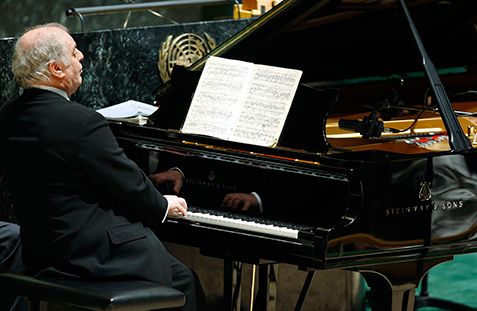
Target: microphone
pixel 369 127
pixel 392 106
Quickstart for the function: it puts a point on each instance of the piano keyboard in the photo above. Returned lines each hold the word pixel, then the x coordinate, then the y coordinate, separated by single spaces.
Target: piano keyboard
pixel 243 222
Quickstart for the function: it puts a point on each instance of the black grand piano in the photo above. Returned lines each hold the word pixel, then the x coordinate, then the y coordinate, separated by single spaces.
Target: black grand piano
pixel 375 169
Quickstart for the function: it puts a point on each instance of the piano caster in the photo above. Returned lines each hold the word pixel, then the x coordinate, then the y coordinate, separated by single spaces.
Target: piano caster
pixel 391 289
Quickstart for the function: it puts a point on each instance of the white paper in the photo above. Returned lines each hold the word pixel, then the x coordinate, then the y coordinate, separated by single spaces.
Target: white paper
pixel 217 98
pixel 242 102
pixel 266 106
pixel 128 109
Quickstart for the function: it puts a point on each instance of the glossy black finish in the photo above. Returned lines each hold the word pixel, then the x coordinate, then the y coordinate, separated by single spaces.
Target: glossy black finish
pixel 273 173
pixel 337 40
pixel 365 206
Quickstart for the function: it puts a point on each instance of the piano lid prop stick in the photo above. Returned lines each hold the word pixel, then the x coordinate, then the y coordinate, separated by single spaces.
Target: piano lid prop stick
pixel 457 138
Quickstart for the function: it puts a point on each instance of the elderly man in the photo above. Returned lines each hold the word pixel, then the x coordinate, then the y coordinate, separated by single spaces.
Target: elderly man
pixel 84 208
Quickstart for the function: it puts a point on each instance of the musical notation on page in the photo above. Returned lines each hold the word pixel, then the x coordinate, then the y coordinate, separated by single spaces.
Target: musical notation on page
pixel 241 101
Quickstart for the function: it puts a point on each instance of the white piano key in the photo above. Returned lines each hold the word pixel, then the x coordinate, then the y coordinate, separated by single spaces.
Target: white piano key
pixel 240 224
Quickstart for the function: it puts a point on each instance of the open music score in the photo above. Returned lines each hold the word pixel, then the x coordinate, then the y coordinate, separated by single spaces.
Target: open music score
pixel 241 101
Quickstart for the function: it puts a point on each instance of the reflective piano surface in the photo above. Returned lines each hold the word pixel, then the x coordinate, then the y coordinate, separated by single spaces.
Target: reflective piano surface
pixel 389 207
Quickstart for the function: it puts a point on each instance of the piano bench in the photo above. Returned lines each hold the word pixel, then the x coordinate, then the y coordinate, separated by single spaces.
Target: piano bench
pixel 121 295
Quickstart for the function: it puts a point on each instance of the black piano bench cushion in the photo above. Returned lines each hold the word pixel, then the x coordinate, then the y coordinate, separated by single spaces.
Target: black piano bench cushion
pixel 93 295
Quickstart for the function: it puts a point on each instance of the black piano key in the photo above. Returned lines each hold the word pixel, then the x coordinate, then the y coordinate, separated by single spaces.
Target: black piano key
pixel 247 217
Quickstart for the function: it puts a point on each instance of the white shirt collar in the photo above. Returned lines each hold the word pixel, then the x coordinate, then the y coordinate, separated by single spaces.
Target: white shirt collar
pixel 52 89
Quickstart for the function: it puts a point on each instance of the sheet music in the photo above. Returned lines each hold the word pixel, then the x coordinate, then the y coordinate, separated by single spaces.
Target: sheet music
pixel 243 102
pixel 217 98
pixel 266 106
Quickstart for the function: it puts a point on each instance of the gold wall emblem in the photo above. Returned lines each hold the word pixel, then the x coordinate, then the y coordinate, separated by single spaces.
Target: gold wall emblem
pixel 211 175
pixel 184 50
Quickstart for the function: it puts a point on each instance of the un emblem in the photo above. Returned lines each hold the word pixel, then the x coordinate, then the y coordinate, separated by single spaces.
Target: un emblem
pixel 184 50
pixel 211 175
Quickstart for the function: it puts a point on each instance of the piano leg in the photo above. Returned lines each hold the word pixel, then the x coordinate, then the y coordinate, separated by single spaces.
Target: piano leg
pixel 232 285
pixel 304 290
pixel 393 286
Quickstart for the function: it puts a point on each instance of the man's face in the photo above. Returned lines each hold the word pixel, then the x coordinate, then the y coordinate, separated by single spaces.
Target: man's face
pixel 72 79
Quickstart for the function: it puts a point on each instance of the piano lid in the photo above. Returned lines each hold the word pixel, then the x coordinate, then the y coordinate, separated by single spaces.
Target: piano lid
pixel 339 43
pixel 335 41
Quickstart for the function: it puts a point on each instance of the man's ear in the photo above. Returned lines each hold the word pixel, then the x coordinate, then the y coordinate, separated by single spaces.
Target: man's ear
pixel 56 69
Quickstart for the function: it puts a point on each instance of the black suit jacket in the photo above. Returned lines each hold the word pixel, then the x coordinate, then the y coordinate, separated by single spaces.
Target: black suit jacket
pixel 83 206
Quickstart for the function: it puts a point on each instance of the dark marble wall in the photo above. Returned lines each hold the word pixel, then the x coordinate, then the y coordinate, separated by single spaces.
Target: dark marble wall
pixel 15 15
pixel 119 65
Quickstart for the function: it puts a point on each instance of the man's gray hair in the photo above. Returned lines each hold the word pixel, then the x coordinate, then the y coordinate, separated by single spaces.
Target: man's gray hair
pixel 30 64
